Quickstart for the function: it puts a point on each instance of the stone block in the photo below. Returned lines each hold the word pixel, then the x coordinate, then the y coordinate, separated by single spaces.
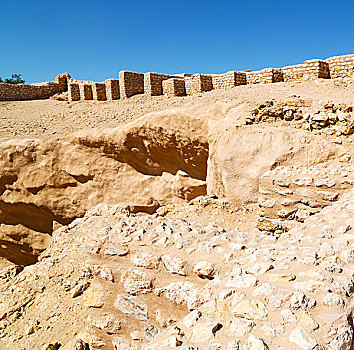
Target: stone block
pixel 73 92
pixel 130 83
pixel 112 89
pixel 198 83
pixel 174 87
pixel 153 83
pixel 99 91
pixel 85 91
pixel 228 80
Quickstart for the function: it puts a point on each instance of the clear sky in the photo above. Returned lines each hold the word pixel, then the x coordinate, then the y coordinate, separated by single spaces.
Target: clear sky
pixel 95 39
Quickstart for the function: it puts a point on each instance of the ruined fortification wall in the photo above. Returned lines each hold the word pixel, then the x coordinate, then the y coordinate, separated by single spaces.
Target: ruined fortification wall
pixel 155 84
pixel 130 83
pixel 15 92
pixel 228 80
pixel 198 83
pixel 174 87
pixel 341 66
pixel 112 89
pixel 264 76
pixel 312 69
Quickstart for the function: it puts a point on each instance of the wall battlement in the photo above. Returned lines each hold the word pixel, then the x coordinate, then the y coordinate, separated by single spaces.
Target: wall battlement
pixel 198 83
pixel 228 80
pixel 174 87
pixel 155 84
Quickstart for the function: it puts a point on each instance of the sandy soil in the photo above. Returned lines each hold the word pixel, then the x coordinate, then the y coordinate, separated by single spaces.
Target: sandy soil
pixel 45 118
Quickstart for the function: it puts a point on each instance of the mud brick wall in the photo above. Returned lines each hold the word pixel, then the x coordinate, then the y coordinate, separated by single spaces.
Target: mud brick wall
pixel 228 80
pixel 153 83
pixel 341 66
pixel 298 192
pixel 85 92
pixel 312 69
pixel 112 89
pixel 198 83
pixel 264 76
pixel 73 92
pixel 174 87
pixel 130 83
pixel 17 92
pixel 99 91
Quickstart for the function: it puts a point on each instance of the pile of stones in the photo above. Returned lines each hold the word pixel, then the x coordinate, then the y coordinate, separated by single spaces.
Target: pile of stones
pixel 339 119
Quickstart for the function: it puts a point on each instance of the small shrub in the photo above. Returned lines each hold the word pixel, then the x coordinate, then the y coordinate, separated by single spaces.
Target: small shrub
pixel 15 79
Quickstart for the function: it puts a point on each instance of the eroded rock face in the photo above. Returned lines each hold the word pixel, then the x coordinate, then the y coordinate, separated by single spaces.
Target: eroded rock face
pixel 161 158
pixel 240 155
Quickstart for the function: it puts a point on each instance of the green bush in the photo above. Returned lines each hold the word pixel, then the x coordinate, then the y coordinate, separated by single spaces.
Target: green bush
pixel 15 79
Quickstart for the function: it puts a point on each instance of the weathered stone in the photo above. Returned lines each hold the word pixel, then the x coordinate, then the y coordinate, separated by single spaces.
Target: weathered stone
pixel 145 259
pixel 204 331
pixel 94 296
pixel 129 307
pixel 340 336
pixel 174 264
pixel 255 343
pixel 107 323
pixel 204 269
pixel 251 309
pixel 240 326
pixel 135 281
pixel 239 278
pixel 301 338
pixel 301 300
pixel 79 288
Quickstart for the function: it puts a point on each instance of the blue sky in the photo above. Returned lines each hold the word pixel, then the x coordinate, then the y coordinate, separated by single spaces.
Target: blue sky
pixel 95 39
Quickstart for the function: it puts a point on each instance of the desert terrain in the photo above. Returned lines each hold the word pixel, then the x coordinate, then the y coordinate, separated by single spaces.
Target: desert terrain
pixel 219 220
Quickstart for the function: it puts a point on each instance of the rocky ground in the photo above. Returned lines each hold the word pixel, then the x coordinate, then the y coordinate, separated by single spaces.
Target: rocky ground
pixel 225 222
pixel 117 281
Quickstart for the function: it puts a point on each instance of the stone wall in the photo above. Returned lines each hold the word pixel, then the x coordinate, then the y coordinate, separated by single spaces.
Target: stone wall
pixel 228 80
pixel 130 83
pixel 312 69
pixel 264 76
pixel 99 91
pixel 174 87
pixel 153 83
pixel 85 92
pixel 16 92
pixel 341 66
pixel 73 91
pixel 198 83
pixel 298 192
pixel 112 89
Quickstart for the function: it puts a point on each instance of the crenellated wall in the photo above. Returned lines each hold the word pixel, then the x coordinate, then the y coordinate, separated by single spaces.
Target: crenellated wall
pixel 112 89
pixel 198 83
pixel 174 87
pixel 312 69
pixel 341 66
pixel 130 83
pixel 85 92
pixel 155 84
pixel 264 76
pixel 228 80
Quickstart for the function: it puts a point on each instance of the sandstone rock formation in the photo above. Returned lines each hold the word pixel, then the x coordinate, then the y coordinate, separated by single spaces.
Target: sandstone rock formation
pixel 160 158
